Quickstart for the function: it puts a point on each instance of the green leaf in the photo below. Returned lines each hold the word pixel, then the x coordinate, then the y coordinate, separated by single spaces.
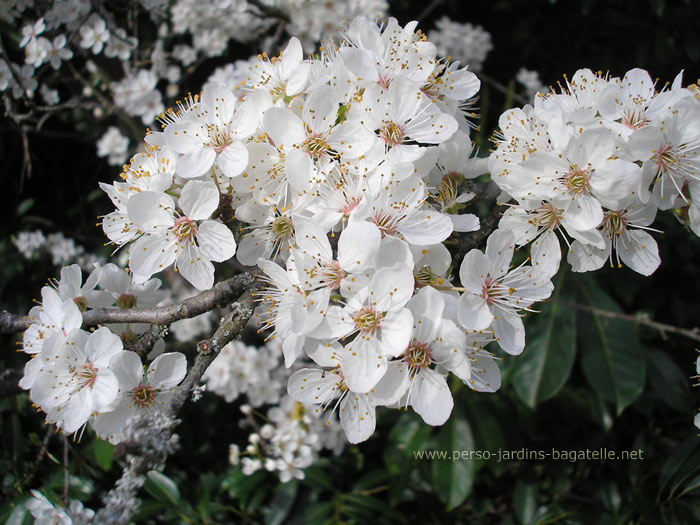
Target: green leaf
pixel 375 505
pixel 525 501
pixel 281 503
pixel 453 479
pixel 25 206
pixel 613 360
pixel 104 452
pixel 676 466
pixel 372 480
pixel 409 433
pixel 668 382
pixel 162 487
pixel 549 354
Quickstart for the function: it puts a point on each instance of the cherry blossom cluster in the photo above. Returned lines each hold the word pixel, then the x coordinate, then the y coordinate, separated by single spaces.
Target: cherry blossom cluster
pixel 341 173
pixel 289 441
pixel 467 43
pixel 62 250
pixel 45 512
pixel 76 54
pixel 292 435
pixel 79 377
pixel 593 163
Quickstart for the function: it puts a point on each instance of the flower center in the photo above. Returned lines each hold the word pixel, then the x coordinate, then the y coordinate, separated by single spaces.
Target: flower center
pixel 577 180
pixel 332 274
pixel 279 92
pixel 184 229
pixel 282 227
pixel 81 302
pixel 86 375
pixel 425 276
pixel 316 146
pixel 547 216
pixel 143 396
pixel 614 223
pixel 126 301
pixel 666 158
pixel 387 223
pixel 392 134
pixel 418 356
pixel 219 139
pixel 493 290
pixel 634 119
pixel 367 320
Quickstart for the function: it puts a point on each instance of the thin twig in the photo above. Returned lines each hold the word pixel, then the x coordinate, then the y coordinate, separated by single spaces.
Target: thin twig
pixel 66 480
pixel 500 87
pixel 429 9
pixel 693 334
pixel 145 343
pixel 9 383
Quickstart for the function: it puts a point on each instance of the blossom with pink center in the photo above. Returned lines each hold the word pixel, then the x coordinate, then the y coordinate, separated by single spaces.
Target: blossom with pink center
pixel 211 133
pixel 317 267
pixel 494 294
pixel 138 394
pixel 377 317
pixel 404 119
pixel 78 383
pixel 187 239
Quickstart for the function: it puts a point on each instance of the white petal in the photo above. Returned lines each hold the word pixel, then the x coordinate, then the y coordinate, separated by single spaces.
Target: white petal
pixel 426 227
pixel 219 101
pixel 473 312
pixel 167 370
pixel 362 365
pixel 151 254
pixel 102 346
pixel 283 127
pixel 151 211
pixel 104 390
pixel 196 163
pixel 195 267
pixel 215 241
pixel 358 245
pixel 499 249
pixel 233 160
pixel 391 288
pixel 357 416
pixel 392 385
pixel 310 385
pixel 199 199
pixel 128 369
pixel 639 251
pixel 430 397
pixel 510 332
pixel 396 331
pixel 474 271
pixel 546 253
pixel 466 222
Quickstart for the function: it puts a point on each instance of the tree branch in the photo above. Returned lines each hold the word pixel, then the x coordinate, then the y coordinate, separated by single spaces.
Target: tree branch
pixel 468 241
pixel 639 318
pixel 220 295
pixel 483 191
pixel 13 323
